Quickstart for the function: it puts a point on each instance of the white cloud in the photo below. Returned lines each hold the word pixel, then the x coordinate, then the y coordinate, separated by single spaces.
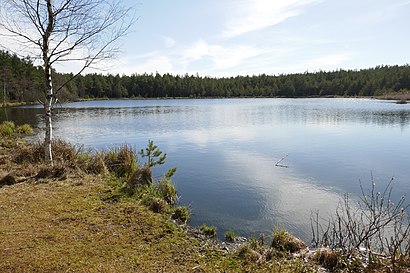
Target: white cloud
pixel 168 41
pixel 332 59
pixel 222 57
pixel 148 63
pixel 251 15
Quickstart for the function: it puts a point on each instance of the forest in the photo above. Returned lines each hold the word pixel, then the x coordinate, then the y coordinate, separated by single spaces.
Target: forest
pixel 21 81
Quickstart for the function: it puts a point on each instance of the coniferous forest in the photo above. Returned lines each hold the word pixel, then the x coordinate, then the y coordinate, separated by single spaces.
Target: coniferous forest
pixel 21 81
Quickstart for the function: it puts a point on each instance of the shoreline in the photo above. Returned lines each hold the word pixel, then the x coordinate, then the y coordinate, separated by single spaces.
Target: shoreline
pixel 103 211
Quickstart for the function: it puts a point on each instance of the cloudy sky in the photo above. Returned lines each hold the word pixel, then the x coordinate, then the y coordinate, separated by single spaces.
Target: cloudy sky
pixel 247 37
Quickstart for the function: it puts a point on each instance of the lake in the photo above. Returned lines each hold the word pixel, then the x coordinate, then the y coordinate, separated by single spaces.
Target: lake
pixel 225 151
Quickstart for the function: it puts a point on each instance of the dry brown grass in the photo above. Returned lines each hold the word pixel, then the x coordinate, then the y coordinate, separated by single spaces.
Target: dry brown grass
pixel 402 95
pixel 66 227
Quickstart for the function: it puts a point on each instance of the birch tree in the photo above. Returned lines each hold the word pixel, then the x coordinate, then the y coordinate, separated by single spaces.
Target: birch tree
pixel 60 31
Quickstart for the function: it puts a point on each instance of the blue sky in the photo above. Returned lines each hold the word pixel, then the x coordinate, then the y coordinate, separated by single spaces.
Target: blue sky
pixel 251 37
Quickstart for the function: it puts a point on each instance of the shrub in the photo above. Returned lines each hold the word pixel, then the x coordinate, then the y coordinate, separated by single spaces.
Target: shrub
pixel 230 236
pixel 8 128
pixel 153 154
pixel 208 231
pixel 181 214
pixel 373 222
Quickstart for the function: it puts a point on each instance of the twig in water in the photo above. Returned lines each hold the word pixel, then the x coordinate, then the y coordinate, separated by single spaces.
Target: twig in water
pixel 277 164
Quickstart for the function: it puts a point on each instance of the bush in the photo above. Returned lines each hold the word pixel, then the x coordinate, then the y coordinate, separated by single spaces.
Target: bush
pixel 372 222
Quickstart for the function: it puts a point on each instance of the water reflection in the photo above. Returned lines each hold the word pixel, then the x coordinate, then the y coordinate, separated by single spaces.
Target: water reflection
pixel 225 151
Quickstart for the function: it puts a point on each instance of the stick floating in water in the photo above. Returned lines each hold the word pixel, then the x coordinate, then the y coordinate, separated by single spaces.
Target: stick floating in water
pixel 277 164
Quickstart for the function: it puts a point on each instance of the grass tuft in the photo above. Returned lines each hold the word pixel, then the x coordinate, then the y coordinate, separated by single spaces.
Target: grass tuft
pixel 8 180
pixel 140 177
pixel 282 240
pixel 121 161
pixel 208 231
pixel 328 258
pixel 168 191
pixel 230 236
pixel 181 214
pixel 24 129
pixel 7 128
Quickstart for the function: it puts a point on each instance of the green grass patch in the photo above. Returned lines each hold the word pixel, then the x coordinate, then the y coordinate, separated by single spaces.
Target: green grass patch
pixel 209 231
pixel 230 236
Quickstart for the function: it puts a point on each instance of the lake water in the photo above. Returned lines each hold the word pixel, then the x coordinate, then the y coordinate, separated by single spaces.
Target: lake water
pixel 226 149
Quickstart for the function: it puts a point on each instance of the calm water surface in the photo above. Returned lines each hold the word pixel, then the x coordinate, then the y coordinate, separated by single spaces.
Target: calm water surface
pixel 225 151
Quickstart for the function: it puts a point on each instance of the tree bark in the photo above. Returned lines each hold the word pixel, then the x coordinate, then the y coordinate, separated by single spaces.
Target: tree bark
pixel 47 107
pixel 48 84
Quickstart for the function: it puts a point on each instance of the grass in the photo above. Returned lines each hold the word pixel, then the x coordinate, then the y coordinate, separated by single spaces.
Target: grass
pixel 71 229
pixel 230 236
pixel 282 240
pixel 209 231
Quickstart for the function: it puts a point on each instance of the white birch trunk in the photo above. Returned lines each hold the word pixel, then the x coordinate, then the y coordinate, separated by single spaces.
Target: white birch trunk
pixel 48 84
pixel 47 107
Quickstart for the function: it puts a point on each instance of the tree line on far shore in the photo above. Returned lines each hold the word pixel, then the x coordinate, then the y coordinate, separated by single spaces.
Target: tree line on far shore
pixel 21 81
